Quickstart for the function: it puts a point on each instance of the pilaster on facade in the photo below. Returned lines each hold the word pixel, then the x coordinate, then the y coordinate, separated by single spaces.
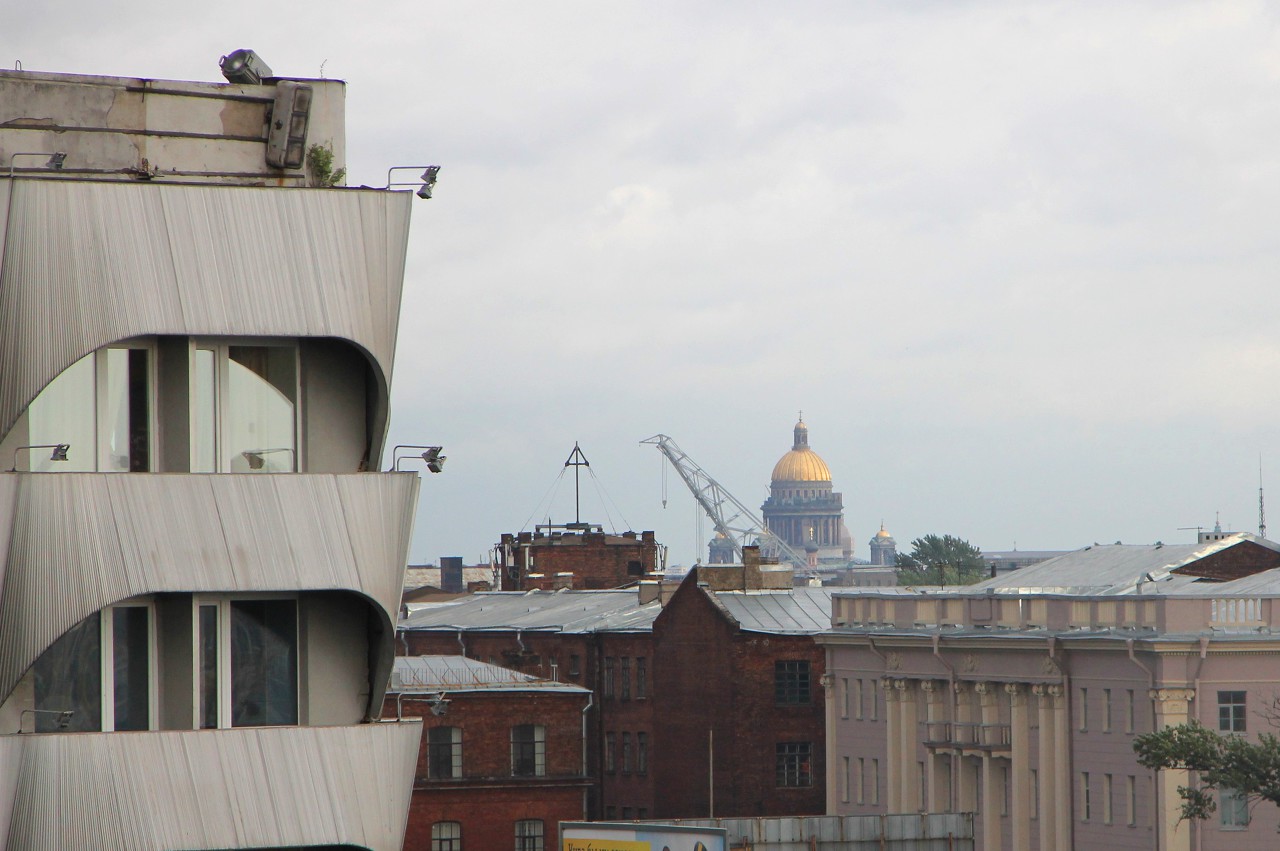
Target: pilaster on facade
pixel 1172 707
pixel 893 740
pixel 1020 765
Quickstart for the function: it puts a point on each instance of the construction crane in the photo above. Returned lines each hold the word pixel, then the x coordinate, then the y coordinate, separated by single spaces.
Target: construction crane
pixel 742 527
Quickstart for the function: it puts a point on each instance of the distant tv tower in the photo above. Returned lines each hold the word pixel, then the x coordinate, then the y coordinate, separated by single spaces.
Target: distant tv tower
pixel 1262 512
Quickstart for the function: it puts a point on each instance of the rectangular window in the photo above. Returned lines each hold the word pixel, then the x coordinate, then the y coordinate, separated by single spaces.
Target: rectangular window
pixel 1084 710
pixel 610 813
pixel 791 682
pixel 1086 805
pixel 844 778
pixel 875 700
pixel 528 750
pixel 608 677
pixel 862 780
pixel 626 814
pixel 575 665
pixel 207 675
pixel 68 681
pixel 857 699
pixel 642 813
pixel 642 678
pixel 1131 796
pixel 1106 799
pixel 1231 711
pixel 244 408
pixel 793 764
pixel 446 836
pixel 642 753
pixel 1128 716
pixel 875 781
pixel 130 676
pixel 263 636
pixel 626 753
pixel 1106 710
pixel 624 673
pixel 610 751
pixel 529 835
pixel 1233 809
pixel 444 753
pixel 844 697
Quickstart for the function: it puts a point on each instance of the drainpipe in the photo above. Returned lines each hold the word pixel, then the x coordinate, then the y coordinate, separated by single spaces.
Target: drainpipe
pixel 591 701
pixel 461 645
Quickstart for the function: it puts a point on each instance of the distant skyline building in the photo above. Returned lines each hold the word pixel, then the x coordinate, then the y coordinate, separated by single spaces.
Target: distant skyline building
pixel 802 508
pixel 884 549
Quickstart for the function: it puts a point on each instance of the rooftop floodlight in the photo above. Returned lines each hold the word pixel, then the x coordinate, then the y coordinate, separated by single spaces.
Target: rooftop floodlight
pixel 244 66
pixel 59 452
pixel 429 454
pixel 52 162
pixel 62 717
pixel 439 704
pixel 56 161
pixel 428 178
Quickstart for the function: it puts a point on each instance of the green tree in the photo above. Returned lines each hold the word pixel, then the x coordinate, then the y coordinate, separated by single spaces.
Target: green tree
pixel 941 560
pixel 1251 769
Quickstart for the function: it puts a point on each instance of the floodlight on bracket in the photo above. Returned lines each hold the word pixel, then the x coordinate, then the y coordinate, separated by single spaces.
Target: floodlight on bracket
pixel 59 452
pixel 430 455
pixel 428 178
pixel 53 162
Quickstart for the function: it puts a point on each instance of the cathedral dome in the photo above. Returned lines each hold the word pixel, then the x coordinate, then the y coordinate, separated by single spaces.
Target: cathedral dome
pixel 801 464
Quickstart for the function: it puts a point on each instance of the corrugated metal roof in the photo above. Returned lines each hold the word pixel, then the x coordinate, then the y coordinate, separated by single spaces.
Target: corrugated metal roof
pixel 261 787
pixel 553 611
pixel 461 674
pixel 1112 569
pixel 794 611
pixel 89 263
pixel 73 543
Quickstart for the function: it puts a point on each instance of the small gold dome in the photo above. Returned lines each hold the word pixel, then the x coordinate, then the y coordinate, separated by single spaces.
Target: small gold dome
pixel 883 534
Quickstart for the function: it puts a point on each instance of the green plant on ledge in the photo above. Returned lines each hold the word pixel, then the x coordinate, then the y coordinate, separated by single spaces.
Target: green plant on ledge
pixel 320 167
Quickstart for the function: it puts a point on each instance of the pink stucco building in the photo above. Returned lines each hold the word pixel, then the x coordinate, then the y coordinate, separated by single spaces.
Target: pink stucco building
pixel 1019 698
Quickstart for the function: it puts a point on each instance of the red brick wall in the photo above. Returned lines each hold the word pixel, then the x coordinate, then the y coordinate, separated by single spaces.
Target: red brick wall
pixel 487 801
pixel 714 679
pixel 595 560
pixel 1243 559
pixel 628 712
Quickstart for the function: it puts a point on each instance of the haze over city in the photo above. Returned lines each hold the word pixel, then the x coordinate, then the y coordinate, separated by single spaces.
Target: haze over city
pixel 1016 265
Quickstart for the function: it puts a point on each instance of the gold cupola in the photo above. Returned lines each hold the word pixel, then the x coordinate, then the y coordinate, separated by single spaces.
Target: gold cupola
pixel 801 464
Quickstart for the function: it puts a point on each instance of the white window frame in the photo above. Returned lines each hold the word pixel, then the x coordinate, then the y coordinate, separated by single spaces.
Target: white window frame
pixel 221 346
pixel 223 602
pixel 106 624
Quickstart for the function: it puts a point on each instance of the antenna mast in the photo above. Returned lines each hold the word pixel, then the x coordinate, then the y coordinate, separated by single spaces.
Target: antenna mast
pixel 577 461
pixel 1262 512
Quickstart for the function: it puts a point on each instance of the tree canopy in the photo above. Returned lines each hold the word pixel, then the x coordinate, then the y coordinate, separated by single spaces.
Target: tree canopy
pixel 941 560
pixel 1229 762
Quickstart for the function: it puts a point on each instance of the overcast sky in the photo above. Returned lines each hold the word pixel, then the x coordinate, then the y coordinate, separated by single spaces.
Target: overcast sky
pixel 1016 262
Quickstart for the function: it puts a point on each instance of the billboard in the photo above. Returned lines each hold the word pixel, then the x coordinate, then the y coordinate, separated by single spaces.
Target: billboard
pixel 602 836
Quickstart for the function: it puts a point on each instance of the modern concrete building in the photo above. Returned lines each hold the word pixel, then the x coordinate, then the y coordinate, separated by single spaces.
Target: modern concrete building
pixel 1019 698
pixel 198 580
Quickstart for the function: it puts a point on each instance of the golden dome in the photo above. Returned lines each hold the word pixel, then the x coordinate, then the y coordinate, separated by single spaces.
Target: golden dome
pixel 801 464
pixel 882 533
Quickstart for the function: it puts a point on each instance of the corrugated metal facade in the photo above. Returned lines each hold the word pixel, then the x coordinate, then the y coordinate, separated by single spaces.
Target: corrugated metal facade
pixel 86 264
pixel 244 788
pixel 73 543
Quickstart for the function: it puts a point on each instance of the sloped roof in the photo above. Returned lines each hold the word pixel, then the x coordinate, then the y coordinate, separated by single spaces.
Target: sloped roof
pixel 460 674
pixel 564 611
pixel 1115 569
pixel 793 611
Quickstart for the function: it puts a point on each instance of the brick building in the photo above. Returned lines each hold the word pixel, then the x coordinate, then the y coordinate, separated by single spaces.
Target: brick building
pixel 554 557
pixel 740 663
pixel 503 755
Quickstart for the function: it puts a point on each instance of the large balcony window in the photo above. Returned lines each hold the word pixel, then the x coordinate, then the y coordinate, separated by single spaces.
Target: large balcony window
pixel 244 408
pixel 100 675
pixel 247 663
pixel 102 408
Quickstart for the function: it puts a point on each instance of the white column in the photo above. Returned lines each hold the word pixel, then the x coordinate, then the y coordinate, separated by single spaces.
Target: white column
pixel 1020 766
pixel 1062 780
pixel 1171 710
pixel 988 695
pixel 893 726
pixel 1047 801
